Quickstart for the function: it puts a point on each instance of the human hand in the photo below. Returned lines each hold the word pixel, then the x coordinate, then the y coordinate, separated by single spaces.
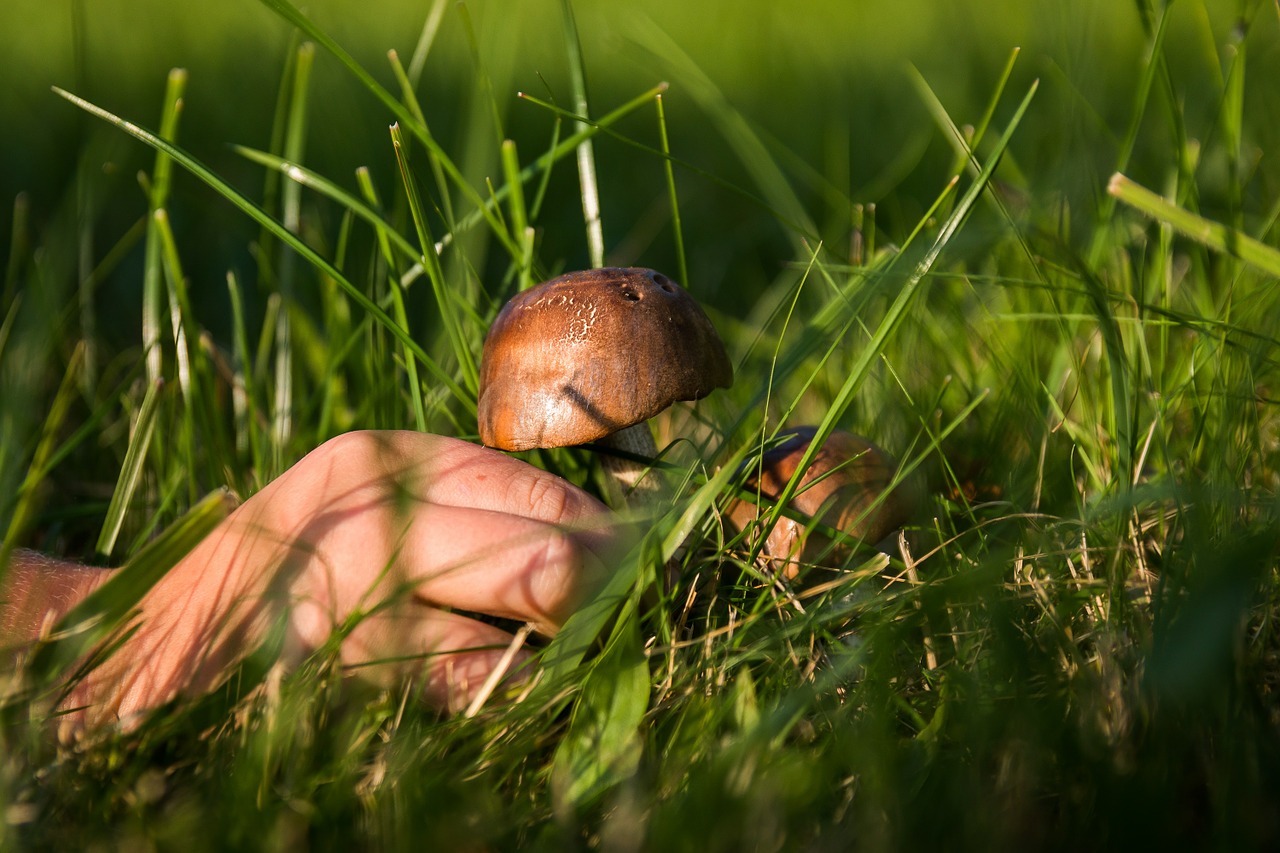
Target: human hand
pixel 406 528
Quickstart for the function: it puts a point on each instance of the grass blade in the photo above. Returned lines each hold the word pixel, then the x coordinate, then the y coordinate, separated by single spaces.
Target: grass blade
pixel 161 179
pixel 519 213
pixel 602 746
pixel 425 39
pixel 19 246
pixel 1141 97
pixel 328 189
pixel 397 300
pixel 130 471
pixel 295 136
pixel 1219 237
pixel 682 264
pixel 243 395
pixel 6 327
pixel 410 98
pixel 586 153
pixel 23 503
pixel 893 317
pixel 107 608
pixel 431 263
pixel 264 219
pixel 403 115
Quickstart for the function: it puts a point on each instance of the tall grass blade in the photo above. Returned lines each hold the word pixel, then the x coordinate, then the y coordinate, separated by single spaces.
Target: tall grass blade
pixel 403 115
pixel 1215 235
pixel 682 263
pixel 182 324
pixel 19 246
pixel 6 327
pixel 130 471
pixel 426 38
pixel 87 298
pixel 397 300
pixel 1232 122
pixel 540 194
pixel 519 212
pixel 410 98
pixel 152 274
pixel 21 507
pixel 602 746
pixel 586 153
pixel 435 273
pixel 243 389
pixel 1142 95
pixel 894 315
pixel 965 145
pixel 181 318
pixel 980 129
pixel 262 218
pixel 290 217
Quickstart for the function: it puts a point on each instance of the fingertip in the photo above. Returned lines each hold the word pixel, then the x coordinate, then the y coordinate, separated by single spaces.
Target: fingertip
pixel 461 683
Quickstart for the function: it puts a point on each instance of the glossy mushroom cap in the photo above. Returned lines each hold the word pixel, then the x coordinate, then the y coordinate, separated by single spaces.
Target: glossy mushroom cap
pixel 590 353
pixel 847 476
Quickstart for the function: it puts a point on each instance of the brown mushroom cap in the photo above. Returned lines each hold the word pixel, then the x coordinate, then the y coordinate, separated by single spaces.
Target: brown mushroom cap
pixel 848 474
pixel 590 353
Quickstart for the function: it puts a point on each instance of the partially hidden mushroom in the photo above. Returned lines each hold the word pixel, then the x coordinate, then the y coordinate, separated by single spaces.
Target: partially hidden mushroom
pixel 589 357
pixel 849 488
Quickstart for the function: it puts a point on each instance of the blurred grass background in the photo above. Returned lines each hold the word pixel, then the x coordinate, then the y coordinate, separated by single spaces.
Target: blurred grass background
pixel 829 85
pixel 1140 699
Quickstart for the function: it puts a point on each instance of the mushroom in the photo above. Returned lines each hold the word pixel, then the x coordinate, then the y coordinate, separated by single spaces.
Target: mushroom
pixel 848 475
pixel 590 356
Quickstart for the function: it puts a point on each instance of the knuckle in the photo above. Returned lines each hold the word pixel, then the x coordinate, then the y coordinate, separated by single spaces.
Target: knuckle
pixel 345 448
pixel 555 578
pixel 546 498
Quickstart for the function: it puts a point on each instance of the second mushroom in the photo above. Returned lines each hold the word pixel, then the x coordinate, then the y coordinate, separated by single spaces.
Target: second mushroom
pixel 849 488
pixel 590 356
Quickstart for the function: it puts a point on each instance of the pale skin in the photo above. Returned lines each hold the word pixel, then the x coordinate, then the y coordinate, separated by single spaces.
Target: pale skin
pixel 416 530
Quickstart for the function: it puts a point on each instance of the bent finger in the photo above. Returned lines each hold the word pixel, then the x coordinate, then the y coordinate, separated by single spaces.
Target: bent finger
pixel 477 560
pixel 407 469
pixel 499 564
pixel 449 470
pixel 451 657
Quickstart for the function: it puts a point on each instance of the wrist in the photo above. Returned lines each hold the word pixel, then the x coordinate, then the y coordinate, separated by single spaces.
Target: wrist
pixel 37 591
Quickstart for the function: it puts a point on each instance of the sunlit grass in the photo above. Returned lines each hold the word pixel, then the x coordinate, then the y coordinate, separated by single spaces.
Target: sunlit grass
pixel 1074 644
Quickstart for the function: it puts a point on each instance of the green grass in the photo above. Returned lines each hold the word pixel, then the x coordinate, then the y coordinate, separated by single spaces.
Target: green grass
pixel 1077 648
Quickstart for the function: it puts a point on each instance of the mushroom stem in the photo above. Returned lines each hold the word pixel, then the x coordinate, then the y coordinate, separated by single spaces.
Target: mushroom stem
pixel 632 482
pixel 639 486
